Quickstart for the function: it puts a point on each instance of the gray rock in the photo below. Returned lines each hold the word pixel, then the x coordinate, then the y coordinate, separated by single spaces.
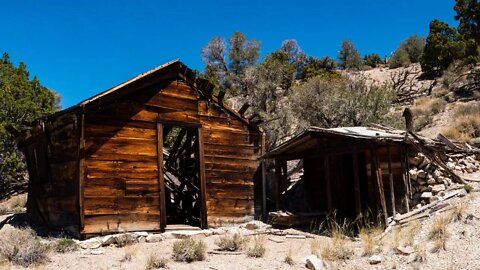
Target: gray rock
pixel 91 243
pixel 413 174
pixel 315 263
pixel 405 250
pixel 426 195
pixel 375 259
pixel 437 188
pixel 431 181
pixel 421 174
pixel 153 238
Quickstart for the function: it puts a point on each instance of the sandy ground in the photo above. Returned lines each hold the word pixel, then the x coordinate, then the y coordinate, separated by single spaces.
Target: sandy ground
pixel 461 250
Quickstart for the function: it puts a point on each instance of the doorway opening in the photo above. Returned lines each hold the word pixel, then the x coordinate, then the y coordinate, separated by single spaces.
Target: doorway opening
pixel 181 169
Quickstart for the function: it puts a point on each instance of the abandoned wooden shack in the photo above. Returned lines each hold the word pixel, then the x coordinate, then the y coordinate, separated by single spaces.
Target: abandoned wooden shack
pixel 155 150
pixel 351 171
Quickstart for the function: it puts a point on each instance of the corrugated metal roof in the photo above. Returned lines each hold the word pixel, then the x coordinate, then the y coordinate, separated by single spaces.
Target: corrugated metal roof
pixel 361 133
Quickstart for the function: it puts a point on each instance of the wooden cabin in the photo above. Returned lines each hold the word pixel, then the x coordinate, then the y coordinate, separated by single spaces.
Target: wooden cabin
pixel 351 171
pixel 155 150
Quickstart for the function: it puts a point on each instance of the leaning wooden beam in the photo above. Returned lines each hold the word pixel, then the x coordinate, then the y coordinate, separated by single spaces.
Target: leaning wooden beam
pixel 404 177
pixel 420 146
pixel 390 178
pixel 243 109
pixel 380 190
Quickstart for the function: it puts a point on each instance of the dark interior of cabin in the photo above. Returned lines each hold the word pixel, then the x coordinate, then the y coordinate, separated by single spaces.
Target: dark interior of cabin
pixel 181 174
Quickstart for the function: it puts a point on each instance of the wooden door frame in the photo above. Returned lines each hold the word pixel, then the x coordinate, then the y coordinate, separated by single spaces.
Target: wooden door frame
pixel 201 172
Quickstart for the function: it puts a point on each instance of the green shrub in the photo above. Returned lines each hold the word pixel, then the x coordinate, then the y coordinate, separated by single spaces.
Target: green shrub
pixel 64 245
pixel 189 250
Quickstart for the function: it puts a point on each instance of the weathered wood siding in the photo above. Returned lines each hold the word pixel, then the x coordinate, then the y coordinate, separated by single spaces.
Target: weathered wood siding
pixel 121 190
pixel 52 161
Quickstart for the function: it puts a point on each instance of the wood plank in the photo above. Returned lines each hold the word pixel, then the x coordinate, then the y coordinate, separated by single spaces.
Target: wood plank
pixel 98 173
pixel 230 191
pixel 106 131
pixel 121 165
pixel 222 206
pixel 379 182
pixel 121 223
pixel 120 146
pixel 203 180
pixel 232 167
pixel 121 205
pixel 81 168
pixel 390 177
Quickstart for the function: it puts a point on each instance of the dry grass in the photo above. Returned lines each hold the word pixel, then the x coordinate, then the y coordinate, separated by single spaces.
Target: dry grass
pixel 404 236
pixel 466 126
pixel 332 249
pixel 369 237
pixel 438 232
pixel 289 257
pixel 155 262
pixel 231 242
pixel 128 253
pixel 16 205
pixel 22 247
pixel 425 108
pixel 459 211
pixel 258 249
pixel 189 250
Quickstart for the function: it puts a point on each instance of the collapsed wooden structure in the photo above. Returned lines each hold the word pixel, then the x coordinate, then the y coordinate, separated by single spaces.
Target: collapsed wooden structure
pixel 155 150
pixel 351 171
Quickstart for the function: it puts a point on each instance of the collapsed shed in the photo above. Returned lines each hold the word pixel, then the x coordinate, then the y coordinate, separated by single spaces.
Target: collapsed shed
pixel 158 149
pixel 351 171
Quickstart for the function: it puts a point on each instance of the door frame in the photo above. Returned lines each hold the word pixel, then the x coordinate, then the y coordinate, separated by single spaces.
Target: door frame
pixel 201 164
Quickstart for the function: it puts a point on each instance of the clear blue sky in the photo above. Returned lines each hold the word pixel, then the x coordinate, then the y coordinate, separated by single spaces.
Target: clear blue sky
pixel 80 48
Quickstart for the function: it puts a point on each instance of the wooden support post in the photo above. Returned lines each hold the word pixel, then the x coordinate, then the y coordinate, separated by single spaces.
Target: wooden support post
pixel 356 184
pixel 161 180
pixel 390 178
pixel 203 184
pixel 403 160
pixel 379 179
pixel 278 174
pixel 328 188
pixel 264 181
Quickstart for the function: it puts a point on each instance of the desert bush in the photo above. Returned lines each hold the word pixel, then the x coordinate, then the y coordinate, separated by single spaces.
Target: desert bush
pixel 335 249
pixel 346 101
pixel 155 262
pixel 22 247
pixel 231 242
pixel 425 108
pixel 189 250
pixel 125 240
pixel 468 188
pixel 258 249
pixel 466 125
pixel 64 245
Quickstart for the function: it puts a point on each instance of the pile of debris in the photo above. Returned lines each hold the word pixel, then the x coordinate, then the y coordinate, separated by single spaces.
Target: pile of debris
pixel 430 181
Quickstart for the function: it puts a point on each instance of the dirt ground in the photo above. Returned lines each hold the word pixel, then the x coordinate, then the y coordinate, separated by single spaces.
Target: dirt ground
pixel 461 250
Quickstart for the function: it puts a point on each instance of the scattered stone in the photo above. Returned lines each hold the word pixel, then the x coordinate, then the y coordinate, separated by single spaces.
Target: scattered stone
pixel 426 195
pixel 405 250
pixel 97 252
pixel 315 263
pixel 421 174
pixel 437 188
pixel 431 181
pixel 154 238
pixel 375 259
pixel 91 243
pixel 145 234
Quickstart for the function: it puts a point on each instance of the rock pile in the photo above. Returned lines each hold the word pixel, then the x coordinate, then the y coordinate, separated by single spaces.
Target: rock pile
pixel 429 181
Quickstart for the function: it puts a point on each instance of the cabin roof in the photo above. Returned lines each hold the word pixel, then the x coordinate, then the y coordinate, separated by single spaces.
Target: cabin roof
pixel 169 71
pixel 308 138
